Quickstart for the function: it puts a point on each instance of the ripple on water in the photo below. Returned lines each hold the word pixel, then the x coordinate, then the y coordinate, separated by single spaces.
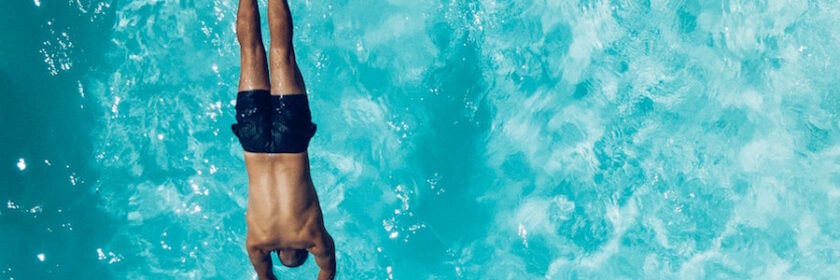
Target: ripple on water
pixel 599 139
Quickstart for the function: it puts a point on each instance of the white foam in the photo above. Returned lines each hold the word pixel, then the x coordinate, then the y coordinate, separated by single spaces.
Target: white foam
pixel 765 153
pixel 21 164
pixel 541 215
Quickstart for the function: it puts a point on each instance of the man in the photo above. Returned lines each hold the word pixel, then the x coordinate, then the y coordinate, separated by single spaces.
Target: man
pixel 274 127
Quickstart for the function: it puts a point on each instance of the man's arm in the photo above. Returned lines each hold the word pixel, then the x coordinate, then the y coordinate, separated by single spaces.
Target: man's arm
pixel 261 262
pixel 324 252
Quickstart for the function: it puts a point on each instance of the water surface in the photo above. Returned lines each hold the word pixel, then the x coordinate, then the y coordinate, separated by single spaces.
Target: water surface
pixel 466 139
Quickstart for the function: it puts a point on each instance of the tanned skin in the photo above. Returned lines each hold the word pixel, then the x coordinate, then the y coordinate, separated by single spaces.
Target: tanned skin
pixel 284 214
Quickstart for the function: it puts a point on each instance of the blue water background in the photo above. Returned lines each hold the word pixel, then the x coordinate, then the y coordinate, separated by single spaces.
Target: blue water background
pixel 457 139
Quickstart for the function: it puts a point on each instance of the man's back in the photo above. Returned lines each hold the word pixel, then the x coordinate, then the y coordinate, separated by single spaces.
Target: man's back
pixel 282 199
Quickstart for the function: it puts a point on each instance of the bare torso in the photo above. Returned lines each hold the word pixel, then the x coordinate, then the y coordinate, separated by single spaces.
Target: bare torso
pixel 282 199
pixel 284 214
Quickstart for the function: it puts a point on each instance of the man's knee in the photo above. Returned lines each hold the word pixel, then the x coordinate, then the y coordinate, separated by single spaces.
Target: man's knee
pixel 248 31
pixel 282 53
pixel 281 34
pixel 248 39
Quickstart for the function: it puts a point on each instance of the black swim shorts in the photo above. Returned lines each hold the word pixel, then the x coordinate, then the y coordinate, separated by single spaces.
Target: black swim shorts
pixel 273 124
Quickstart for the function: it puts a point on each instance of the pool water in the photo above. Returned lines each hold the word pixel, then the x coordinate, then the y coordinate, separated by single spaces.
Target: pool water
pixel 457 139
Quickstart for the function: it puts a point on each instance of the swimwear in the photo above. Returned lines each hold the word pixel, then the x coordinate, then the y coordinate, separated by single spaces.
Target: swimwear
pixel 291 124
pixel 273 124
pixel 252 120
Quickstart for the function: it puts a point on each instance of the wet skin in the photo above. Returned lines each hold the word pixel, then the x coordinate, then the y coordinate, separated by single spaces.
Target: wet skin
pixel 284 214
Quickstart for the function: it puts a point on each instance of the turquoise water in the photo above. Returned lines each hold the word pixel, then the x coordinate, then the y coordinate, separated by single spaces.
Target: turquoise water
pixel 457 139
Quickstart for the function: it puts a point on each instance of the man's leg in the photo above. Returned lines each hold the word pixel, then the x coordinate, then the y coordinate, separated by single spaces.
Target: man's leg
pixel 254 69
pixel 285 75
pixel 253 76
